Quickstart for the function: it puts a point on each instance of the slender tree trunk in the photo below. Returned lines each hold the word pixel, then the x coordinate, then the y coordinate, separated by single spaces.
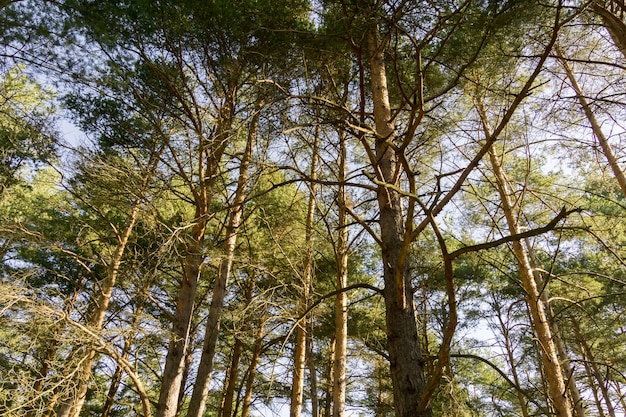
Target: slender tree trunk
pixel 572 387
pixel 595 126
pixel 231 380
pixel 523 402
pixel 329 386
pixel 590 359
pixel 341 301
pixel 71 407
pixel 116 379
pixel 172 377
pixel 406 364
pixel 256 353
pixel 541 325
pixel 233 371
pixel 312 372
pixel 299 359
pixel 205 367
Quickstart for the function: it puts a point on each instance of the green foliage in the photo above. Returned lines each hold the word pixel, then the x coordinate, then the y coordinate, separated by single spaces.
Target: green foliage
pixel 26 135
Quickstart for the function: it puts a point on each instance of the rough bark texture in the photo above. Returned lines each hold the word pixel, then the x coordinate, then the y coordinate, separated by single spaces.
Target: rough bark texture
pixel 407 373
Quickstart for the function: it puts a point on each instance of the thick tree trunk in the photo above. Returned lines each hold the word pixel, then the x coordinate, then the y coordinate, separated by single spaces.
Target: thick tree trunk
pixel 172 378
pixel 299 357
pixel 205 367
pixel 611 12
pixel 406 364
pixel 341 301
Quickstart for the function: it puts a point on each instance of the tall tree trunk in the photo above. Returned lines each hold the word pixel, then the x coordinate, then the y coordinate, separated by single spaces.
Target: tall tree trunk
pixel 328 401
pixel 205 367
pixel 256 353
pixel 406 364
pixel 572 387
pixel 312 372
pixel 593 365
pixel 231 380
pixel 233 371
pixel 299 357
pixel 611 12
pixel 116 379
pixel 508 347
pixel 211 152
pixel 341 300
pixel 72 406
pixel 549 356
pixel 607 150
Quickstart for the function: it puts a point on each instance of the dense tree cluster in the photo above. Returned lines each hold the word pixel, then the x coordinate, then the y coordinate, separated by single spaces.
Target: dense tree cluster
pixel 327 208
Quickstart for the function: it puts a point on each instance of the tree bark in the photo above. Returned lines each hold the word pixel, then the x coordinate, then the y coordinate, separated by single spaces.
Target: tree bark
pixel 611 14
pixel 299 357
pixel 541 325
pixel 405 358
pixel 256 353
pixel 205 367
pixel 312 372
pixel 72 406
pixel 607 150
pixel 231 380
pixel 590 359
pixel 341 300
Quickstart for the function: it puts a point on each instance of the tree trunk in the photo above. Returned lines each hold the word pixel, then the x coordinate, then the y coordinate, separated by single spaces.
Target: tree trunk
pixel 231 380
pixel 341 300
pixel 329 386
pixel 572 387
pixel 595 126
pixel 590 359
pixel 256 353
pixel 406 364
pixel 611 14
pixel 299 357
pixel 116 379
pixel 72 406
pixel 508 347
pixel 549 356
pixel 312 372
pixel 205 367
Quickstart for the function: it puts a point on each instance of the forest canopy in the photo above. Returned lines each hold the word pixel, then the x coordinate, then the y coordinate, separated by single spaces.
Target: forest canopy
pixel 312 208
